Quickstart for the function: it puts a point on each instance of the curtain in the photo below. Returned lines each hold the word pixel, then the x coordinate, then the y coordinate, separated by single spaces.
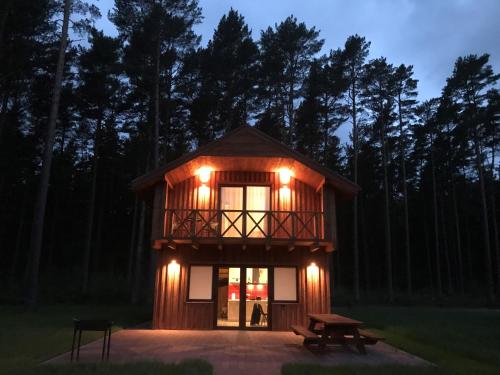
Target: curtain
pixel 231 199
pixel 258 199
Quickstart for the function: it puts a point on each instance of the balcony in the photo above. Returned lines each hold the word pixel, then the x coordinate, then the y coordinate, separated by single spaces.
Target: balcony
pixel 245 226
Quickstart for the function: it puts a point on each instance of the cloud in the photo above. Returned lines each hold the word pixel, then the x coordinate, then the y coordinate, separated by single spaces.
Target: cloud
pixel 429 34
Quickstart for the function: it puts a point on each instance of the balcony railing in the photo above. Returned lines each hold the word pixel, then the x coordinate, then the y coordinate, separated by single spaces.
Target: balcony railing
pixel 219 224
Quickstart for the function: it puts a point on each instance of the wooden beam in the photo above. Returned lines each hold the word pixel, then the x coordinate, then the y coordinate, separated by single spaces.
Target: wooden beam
pixel 268 246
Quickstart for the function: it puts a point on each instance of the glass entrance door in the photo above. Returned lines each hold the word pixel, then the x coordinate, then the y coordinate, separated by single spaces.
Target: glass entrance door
pixel 228 297
pixel 257 297
pixel 242 297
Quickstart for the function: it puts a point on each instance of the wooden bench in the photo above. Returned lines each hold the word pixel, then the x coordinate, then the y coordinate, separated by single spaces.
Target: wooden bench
pixel 309 336
pixel 369 338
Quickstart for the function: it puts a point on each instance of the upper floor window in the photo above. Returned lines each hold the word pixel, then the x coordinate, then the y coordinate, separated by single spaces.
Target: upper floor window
pixel 244 207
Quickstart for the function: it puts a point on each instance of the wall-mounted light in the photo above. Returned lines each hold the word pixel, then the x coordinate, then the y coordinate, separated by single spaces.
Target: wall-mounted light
pixel 203 174
pixel 285 175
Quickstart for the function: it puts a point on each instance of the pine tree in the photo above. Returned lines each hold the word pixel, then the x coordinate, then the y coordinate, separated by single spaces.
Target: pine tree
pixel 379 90
pixel 99 95
pixel 405 91
pixel 471 79
pixel 286 53
pixel 354 56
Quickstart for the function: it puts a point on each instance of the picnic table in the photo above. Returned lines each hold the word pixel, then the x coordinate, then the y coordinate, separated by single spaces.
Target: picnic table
pixel 334 329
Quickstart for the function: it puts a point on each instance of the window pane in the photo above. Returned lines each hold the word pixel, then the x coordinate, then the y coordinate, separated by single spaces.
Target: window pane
pixel 228 300
pixel 285 284
pixel 258 200
pixel 232 221
pixel 256 297
pixel 200 282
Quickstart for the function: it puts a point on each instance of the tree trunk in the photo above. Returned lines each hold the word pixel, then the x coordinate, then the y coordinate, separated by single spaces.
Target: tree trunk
pixel 439 285
pixel 355 243
pixel 405 200
pixel 5 8
pixel 106 206
pixel 428 253
pixel 91 210
pixel 486 230
pixel 458 235
pixel 3 115
pixel 364 242
pixel 130 267
pixel 41 198
pixel 388 242
pixel 19 236
pixel 426 234
pixel 494 223
pixel 156 99
pixel 495 238
pixel 138 256
pixel 446 249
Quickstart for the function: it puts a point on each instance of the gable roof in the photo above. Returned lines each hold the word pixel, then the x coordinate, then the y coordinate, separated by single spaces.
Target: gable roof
pixel 246 141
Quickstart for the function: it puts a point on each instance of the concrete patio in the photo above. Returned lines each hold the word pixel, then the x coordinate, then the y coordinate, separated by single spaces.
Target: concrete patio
pixel 230 352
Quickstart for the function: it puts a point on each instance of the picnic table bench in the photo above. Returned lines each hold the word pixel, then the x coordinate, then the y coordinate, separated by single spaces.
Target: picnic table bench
pixel 334 329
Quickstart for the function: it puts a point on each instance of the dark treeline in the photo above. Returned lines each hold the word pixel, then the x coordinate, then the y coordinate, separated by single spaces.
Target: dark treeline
pixel 79 120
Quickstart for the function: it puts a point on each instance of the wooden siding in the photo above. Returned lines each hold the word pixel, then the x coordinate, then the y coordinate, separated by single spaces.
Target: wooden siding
pixel 172 311
pixel 185 194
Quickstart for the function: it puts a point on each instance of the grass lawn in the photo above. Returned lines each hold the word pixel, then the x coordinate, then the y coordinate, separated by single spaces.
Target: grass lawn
pixel 188 367
pixel 458 341
pixel 28 338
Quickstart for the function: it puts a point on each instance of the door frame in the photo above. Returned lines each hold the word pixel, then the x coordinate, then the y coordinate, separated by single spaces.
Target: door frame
pixel 243 291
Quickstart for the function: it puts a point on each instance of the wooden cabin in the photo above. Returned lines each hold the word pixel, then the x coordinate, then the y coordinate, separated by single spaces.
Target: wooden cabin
pixel 244 227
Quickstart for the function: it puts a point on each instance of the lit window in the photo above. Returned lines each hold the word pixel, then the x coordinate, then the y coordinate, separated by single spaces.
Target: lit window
pixel 285 284
pixel 200 283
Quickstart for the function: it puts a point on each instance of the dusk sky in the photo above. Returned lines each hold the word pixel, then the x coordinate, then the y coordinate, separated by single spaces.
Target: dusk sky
pixel 429 34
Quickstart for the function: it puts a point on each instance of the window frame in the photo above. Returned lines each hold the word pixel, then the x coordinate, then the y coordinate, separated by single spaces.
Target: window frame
pixel 244 186
pixel 200 300
pixel 296 285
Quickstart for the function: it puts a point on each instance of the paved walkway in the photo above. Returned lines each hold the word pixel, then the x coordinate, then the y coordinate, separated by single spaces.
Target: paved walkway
pixel 230 352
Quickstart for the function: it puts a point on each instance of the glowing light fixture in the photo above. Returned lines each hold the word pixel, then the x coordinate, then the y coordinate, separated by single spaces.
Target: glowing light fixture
pixel 173 268
pixel 204 174
pixel 312 272
pixel 285 175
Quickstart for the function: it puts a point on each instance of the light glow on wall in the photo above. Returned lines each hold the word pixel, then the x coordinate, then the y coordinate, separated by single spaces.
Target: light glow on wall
pixel 285 198
pixel 285 175
pixel 312 272
pixel 203 192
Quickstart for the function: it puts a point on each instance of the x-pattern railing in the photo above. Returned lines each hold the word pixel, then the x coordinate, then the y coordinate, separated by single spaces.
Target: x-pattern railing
pixel 199 224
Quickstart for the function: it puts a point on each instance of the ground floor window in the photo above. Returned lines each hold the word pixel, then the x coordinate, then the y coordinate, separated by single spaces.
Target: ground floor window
pixel 285 284
pixel 200 283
